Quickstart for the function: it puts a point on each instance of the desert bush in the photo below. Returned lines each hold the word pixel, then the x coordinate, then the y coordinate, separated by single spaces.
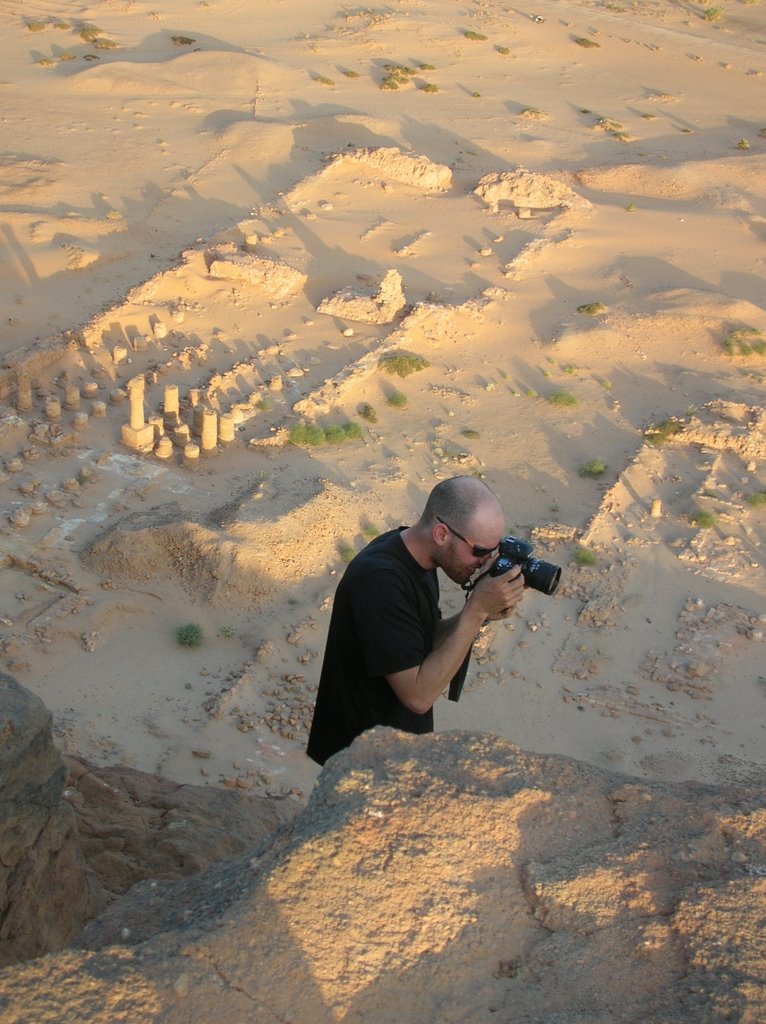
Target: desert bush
pixel 429 87
pixel 307 434
pixel 226 632
pixel 584 556
pixel 596 467
pixel 397 399
pixel 758 498
pixel 189 635
pixel 473 36
pixel 371 530
pixel 402 364
pixel 586 43
pixel 658 434
pixel 367 412
pixel 346 552
pixel 591 308
pixel 704 519
pixel 744 341
pixel 89 33
pixel 562 398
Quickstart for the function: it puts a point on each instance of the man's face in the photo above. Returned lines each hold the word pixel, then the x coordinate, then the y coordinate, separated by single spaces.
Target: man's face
pixel 462 554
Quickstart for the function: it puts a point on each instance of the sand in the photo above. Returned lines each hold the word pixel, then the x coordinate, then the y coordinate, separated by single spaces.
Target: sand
pixel 557 212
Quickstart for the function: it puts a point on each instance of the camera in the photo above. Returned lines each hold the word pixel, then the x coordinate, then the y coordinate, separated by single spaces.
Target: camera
pixel 538 575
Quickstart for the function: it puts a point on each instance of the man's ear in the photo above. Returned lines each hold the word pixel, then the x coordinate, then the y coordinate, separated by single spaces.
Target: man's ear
pixel 440 534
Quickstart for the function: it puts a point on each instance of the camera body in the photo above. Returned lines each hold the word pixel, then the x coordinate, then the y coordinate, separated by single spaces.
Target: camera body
pixel 538 575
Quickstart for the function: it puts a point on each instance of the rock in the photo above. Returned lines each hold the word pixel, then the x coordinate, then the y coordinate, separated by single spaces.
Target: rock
pixel 525 191
pixel 532 887
pixel 390 162
pixel 46 894
pixel 378 308
pixel 274 277
pixel 134 825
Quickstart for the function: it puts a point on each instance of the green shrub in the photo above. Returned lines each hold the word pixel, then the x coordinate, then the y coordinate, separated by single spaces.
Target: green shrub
pixel 226 632
pixel 323 80
pixel 397 399
pixel 189 635
pixel 346 552
pixel 562 398
pixel 759 498
pixel 307 434
pixel 474 36
pixel 659 434
pixel 37 26
pixel 596 467
pixel 591 308
pixel 402 364
pixel 89 33
pixel 351 74
pixel 712 13
pixel 744 341
pixel 470 433
pixel 585 42
pixel 584 556
pixel 337 433
pixel 183 40
pixel 704 519
pixel 429 87
pixel 367 412
pixel 371 530
pixel 505 50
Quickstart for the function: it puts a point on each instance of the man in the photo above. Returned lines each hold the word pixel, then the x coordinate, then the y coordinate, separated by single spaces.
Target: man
pixel 389 653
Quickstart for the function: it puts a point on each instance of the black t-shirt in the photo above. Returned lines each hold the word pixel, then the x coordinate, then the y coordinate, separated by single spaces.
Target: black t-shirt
pixel 383 620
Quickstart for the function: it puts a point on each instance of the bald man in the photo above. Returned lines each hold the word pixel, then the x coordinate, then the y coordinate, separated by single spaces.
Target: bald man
pixel 389 653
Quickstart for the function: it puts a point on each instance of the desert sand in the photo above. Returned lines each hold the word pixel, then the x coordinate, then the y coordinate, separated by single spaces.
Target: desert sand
pixel 556 213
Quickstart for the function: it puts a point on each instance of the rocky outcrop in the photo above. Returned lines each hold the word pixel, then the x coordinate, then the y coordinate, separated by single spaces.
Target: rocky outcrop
pixel 134 825
pixel 525 192
pixel 379 307
pixel 273 276
pixel 448 877
pixel 46 894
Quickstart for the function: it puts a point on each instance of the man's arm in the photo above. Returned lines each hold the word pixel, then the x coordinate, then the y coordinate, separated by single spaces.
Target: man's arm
pixel 419 687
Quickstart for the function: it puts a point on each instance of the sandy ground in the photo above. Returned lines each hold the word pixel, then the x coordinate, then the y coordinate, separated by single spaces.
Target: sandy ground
pixel 183 185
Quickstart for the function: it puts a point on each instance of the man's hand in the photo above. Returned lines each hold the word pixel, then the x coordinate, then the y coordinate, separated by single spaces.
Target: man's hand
pixel 499 595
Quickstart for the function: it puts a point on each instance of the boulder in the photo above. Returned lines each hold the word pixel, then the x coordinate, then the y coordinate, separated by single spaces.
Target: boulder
pixel 46 893
pixel 134 825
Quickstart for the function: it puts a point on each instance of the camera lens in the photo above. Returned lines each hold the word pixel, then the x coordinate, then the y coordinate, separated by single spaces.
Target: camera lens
pixel 542 576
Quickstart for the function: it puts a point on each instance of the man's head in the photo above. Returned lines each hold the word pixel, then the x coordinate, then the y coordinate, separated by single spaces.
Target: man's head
pixel 462 524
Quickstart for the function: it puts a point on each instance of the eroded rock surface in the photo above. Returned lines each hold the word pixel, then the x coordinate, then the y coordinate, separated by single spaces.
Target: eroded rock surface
pixel 45 892
pixel 449 877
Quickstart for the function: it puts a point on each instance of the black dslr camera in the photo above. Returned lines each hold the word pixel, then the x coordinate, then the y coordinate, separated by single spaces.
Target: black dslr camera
pixel 538 575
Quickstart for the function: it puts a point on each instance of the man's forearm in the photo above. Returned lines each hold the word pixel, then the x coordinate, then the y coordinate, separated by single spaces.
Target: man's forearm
pixel 418 688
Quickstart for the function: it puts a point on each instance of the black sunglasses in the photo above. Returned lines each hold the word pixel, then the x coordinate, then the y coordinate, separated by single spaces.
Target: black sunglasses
pixel 476 550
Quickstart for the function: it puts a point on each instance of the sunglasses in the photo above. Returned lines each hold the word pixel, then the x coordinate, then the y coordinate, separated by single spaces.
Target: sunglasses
pixel 476 550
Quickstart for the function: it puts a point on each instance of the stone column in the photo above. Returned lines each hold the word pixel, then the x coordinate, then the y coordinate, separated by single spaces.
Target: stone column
pixel 209 435
pixel 23 393
pixel 72 398
pixel 170 406
pixel 137 434
pixel 191 456
pixel 225 428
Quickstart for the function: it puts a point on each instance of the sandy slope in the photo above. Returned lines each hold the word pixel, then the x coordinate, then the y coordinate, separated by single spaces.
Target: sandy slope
pixel 126 172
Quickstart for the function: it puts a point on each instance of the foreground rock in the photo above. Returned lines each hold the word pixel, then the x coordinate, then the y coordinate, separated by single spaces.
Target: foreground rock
pixel 134 825
pixel 46 894
pixel 445 878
